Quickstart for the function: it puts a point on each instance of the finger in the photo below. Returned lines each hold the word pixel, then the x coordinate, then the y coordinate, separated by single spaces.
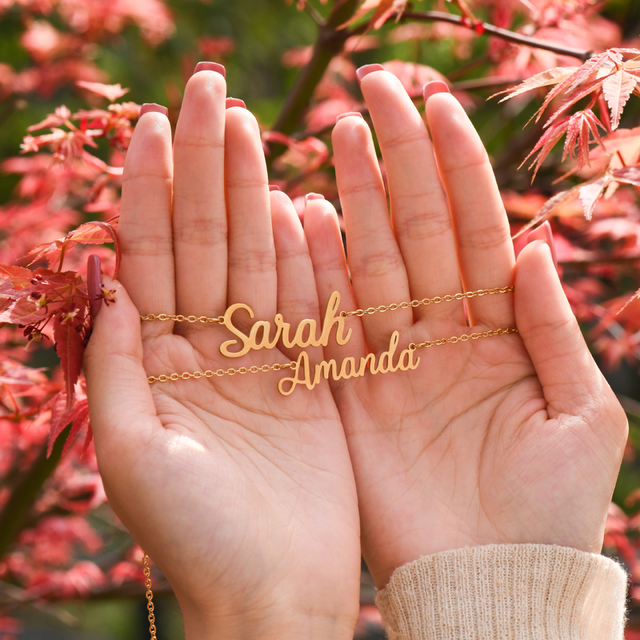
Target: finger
pixel 375 262
pixel 569 376
pixel 199 214
pixel 297 297
pixel 144 229
pixel 322 230
pixel 485 250
pixel 252 258
pixel 420 214
pixel 120 400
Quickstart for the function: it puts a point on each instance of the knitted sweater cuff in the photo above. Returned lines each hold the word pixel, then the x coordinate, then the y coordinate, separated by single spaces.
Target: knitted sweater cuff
pixel 519 592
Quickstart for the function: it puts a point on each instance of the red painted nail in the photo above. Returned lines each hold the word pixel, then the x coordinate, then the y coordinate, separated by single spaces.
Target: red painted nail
pixel 234 102
pixel 435 86
pixel 349 114
pixel 312 196
pixel 94 284
pixel 543 232
pixel 211 66
pixel 152 107
pixel 367 69
pixel 274 187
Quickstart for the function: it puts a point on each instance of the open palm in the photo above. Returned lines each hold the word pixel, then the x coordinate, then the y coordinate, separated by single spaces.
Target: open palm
pixel 222 480
pixel 508 439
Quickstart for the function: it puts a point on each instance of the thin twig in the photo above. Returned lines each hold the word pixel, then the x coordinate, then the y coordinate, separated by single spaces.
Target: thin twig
pixel 504 34
pixel 311 10
pixel 603 258
pixel 469 66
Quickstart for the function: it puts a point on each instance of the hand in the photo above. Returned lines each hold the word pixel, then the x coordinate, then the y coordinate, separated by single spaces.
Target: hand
pixel 244 498
pixel 509 439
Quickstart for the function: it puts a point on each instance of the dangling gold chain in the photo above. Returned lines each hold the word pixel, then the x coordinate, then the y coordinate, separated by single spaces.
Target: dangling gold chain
pixel 149 594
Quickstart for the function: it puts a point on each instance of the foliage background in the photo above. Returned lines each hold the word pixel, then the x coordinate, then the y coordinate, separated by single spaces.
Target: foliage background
pixel 69 564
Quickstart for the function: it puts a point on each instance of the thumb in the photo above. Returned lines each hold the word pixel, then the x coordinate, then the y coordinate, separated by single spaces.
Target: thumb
pixel 570 378
pixel 120 401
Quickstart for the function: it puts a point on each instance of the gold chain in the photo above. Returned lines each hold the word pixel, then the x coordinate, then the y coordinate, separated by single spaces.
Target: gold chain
pixel 164 317
pixel 209 373
pixel 463 338
pixel 427 301
pixel 292 365
pixel 147 584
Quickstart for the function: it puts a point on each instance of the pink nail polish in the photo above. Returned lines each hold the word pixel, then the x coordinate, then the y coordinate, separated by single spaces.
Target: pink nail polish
pixel 435 86
pixel 367 69
pixel 544 232
pixel 211 66
pixel 274 187
pixel 234 102
pixel 94 284
pixel 152 107
pixel 357 114
pixel 312 196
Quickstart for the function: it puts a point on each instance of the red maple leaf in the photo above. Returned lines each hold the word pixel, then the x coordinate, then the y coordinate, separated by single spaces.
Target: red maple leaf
pixel 110 91
pixel 579 128
pixel 69 343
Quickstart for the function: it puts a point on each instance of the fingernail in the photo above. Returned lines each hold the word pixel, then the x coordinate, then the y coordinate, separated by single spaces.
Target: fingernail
pixel 94 284
pixel 312 196
pixel 543 232
pixel 274 187
pixel 435 86
pixel 349 114
pixel 152 107
pixel 367 69
pixel 234 102
pixel 211 66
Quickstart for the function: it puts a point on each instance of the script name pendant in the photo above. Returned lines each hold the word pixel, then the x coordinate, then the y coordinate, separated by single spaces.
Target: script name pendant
pixel 309 376
pixel 306 334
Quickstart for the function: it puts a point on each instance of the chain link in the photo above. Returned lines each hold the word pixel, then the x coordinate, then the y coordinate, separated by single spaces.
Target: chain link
pixel 426 301
pixel 463 338
pixel 149 594
pixel 209 373
pixel 164 317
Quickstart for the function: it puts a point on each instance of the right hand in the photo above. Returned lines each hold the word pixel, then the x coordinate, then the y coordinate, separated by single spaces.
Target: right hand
pixel 508 439
pixel 244 498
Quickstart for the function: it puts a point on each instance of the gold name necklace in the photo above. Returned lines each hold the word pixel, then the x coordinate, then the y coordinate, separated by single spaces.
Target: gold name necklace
pixel 266 335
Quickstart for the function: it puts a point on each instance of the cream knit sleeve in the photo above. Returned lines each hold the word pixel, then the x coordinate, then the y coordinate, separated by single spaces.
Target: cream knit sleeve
pixel 506 592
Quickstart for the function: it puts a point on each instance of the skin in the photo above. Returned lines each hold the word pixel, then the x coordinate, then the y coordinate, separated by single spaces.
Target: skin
pixel 251 503
pixel 510 439
pixel 244 499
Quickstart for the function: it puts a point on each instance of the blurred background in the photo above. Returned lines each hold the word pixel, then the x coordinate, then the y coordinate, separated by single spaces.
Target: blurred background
pixel 72 76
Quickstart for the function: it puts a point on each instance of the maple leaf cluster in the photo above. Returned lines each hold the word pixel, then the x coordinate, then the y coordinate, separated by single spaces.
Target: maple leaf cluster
pixel 44 563
pixel 62 57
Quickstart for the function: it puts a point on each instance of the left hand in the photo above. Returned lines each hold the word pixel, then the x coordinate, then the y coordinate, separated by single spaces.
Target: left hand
pixel 244 498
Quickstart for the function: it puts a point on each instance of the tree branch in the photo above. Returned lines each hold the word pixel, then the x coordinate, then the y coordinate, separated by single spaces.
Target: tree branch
pixel 24 494
pixel 504 34
pixel 330 43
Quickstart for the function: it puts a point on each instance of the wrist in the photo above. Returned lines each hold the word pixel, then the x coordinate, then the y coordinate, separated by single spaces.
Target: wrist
pixel 267 625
